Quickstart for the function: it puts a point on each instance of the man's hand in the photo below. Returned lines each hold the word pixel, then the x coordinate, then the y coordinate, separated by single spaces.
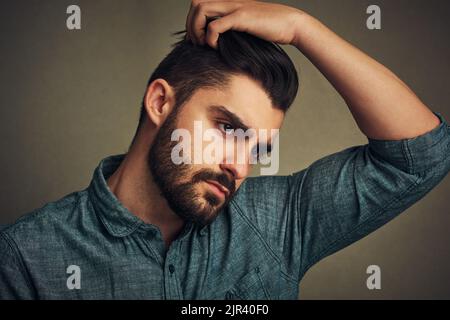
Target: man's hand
pixel 268 21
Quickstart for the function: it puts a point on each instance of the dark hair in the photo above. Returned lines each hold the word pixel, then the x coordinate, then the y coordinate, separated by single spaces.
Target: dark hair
pixel 189 67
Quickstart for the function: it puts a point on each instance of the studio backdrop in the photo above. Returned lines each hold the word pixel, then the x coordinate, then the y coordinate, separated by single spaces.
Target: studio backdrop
pixel 70 96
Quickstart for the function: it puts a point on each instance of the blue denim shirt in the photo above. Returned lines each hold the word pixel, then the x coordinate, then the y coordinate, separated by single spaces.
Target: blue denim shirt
pixel 259 247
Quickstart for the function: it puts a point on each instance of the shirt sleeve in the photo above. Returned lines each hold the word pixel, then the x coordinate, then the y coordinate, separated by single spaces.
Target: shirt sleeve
pixel 14 280
pixel 345 196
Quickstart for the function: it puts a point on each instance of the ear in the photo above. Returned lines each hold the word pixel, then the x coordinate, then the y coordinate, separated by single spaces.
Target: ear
pixel 159 101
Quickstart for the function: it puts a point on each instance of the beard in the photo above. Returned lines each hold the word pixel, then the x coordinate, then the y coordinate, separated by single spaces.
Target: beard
pixel 179 184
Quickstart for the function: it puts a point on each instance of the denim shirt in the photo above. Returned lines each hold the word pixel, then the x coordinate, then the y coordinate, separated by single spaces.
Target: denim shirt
pixel 259 247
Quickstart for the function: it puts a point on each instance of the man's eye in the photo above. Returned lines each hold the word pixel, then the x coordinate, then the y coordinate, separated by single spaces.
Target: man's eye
pixel 226 128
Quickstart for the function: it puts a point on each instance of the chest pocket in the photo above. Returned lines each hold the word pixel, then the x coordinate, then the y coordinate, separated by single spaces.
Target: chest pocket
pixel 264 283
pixel 249 287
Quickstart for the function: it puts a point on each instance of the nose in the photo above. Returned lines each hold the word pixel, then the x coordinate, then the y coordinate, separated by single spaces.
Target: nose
pixel 236 159
pixel 236 168
pixel 238 171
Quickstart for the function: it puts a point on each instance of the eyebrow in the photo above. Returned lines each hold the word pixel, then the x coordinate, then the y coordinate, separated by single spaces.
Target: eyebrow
pixel 234 119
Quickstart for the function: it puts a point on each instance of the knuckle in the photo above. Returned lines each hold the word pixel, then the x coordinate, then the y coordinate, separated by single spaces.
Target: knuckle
pixel 241 14
pixel 213 26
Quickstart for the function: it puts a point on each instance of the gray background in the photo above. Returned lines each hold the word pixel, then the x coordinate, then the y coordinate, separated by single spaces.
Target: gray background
pixel 70 98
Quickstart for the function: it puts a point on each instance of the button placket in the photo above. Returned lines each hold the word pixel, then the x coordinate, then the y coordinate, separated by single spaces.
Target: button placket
pixel 173 291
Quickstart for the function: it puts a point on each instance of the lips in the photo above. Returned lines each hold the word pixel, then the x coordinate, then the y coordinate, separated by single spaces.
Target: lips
pixel 224 190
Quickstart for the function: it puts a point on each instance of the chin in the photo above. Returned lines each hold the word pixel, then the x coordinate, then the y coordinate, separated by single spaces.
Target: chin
pixel 208 214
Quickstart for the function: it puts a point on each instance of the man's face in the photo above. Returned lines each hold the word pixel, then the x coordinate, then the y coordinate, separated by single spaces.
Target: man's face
pixel 197 192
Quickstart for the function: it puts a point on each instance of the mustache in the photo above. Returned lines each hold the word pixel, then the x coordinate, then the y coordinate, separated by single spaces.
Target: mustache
pixel 221 178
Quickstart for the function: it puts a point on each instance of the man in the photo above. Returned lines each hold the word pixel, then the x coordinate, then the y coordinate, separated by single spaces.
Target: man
pixel 148 228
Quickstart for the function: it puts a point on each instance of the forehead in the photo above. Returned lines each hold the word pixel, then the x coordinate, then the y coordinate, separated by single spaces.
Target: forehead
pixel 246 98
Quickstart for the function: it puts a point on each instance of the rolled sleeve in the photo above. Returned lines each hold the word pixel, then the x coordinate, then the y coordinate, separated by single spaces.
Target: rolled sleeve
pixel 343 197
pixel 418 154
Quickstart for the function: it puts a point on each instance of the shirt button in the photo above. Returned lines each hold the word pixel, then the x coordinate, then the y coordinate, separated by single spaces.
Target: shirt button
pixel 171 268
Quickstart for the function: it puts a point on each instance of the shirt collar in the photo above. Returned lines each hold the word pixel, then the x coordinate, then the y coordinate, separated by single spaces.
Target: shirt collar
pixel 117 219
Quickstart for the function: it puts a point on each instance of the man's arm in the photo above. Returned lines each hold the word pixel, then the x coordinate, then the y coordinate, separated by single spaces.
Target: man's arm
pixel 342 197
pixel 346 196
pixel 382 104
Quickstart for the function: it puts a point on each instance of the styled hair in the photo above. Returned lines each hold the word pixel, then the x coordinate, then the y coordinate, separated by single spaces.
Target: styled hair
pixel 189 67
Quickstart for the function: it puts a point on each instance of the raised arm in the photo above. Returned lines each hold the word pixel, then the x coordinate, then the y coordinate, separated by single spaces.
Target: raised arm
pixel 344 196
pixel 382 105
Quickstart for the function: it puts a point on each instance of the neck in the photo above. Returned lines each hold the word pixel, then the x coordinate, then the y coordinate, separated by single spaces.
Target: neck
pixel 133 185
